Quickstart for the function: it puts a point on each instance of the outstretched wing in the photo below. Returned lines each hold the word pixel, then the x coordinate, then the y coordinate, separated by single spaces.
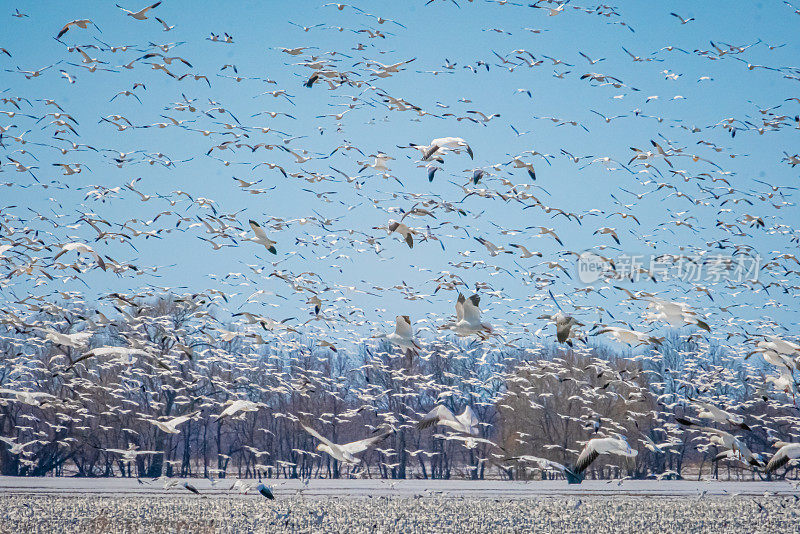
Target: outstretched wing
pixel 434 416
pixel 588 455
pixel 266 492
pixel 543 463
pixel 468 419
pixel 778 460
pixel 364 444
pixel 472 314
pixel 317 435
pixel 260 234
pixel 460 307
pixel 175 421
pixel 403 326
pixel 563 326
pixel 469 441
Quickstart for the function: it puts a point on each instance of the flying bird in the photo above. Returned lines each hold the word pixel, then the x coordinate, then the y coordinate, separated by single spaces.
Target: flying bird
pixel 81 23
pixel 616 445
pixel 261 237
pixel 141 14
pixel 683 20
pixel 345 453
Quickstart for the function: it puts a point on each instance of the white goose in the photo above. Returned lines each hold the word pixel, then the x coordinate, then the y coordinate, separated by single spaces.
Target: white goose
pixel 403 335
pixel 595 447
pixel 76 341
pixel 379 164
pixel 141 14
pixel 543 463
pixel 736 447
pixel 718 415
pixel 785 382
pixel 171 426
pixel 631 337
pixel 17 448
pixel 786 453
pixel 564 322
pixel 261 237
pixel 403 230
pixel 239 405
pixel 468 318
pixel 81 248
pixel 345 453
pixel 130 454
pixel 675 314
pixel 82 23
pixel 781 346
pixel 450 143
pixel 466 422
pixel 465 425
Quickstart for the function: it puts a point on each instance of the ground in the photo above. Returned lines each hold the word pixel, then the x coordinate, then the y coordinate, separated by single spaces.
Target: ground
pixel 123 505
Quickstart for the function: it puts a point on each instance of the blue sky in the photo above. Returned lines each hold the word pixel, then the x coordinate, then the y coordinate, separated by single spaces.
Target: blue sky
pixel 433 34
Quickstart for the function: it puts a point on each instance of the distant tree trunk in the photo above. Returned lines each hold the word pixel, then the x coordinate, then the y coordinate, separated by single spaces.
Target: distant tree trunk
pixel 219 446
pixel 186 464
pixel 401 447
pixel 205 452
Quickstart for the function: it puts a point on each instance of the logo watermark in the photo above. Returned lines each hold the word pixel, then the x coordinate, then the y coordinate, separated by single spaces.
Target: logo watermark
pixel 593 267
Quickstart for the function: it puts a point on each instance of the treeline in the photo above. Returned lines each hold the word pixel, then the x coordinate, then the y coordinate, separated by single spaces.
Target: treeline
pixel 91 415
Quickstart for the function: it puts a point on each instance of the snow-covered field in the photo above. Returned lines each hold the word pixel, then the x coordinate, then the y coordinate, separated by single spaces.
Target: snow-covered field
pixel 124 505
pixel 479 489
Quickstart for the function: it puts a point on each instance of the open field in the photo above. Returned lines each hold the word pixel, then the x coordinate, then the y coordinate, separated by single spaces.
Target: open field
pixel 322 488
pixel 115 505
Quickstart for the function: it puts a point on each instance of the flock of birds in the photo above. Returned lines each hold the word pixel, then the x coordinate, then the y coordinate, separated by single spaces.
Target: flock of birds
pixel 90 222
pixel 379 513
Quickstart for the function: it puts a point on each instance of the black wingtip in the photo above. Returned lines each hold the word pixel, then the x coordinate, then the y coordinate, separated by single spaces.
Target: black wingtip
pixel 266 492
pixel 572 477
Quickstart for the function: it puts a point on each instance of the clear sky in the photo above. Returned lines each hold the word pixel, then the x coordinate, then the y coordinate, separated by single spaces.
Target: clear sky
pixel 687 108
